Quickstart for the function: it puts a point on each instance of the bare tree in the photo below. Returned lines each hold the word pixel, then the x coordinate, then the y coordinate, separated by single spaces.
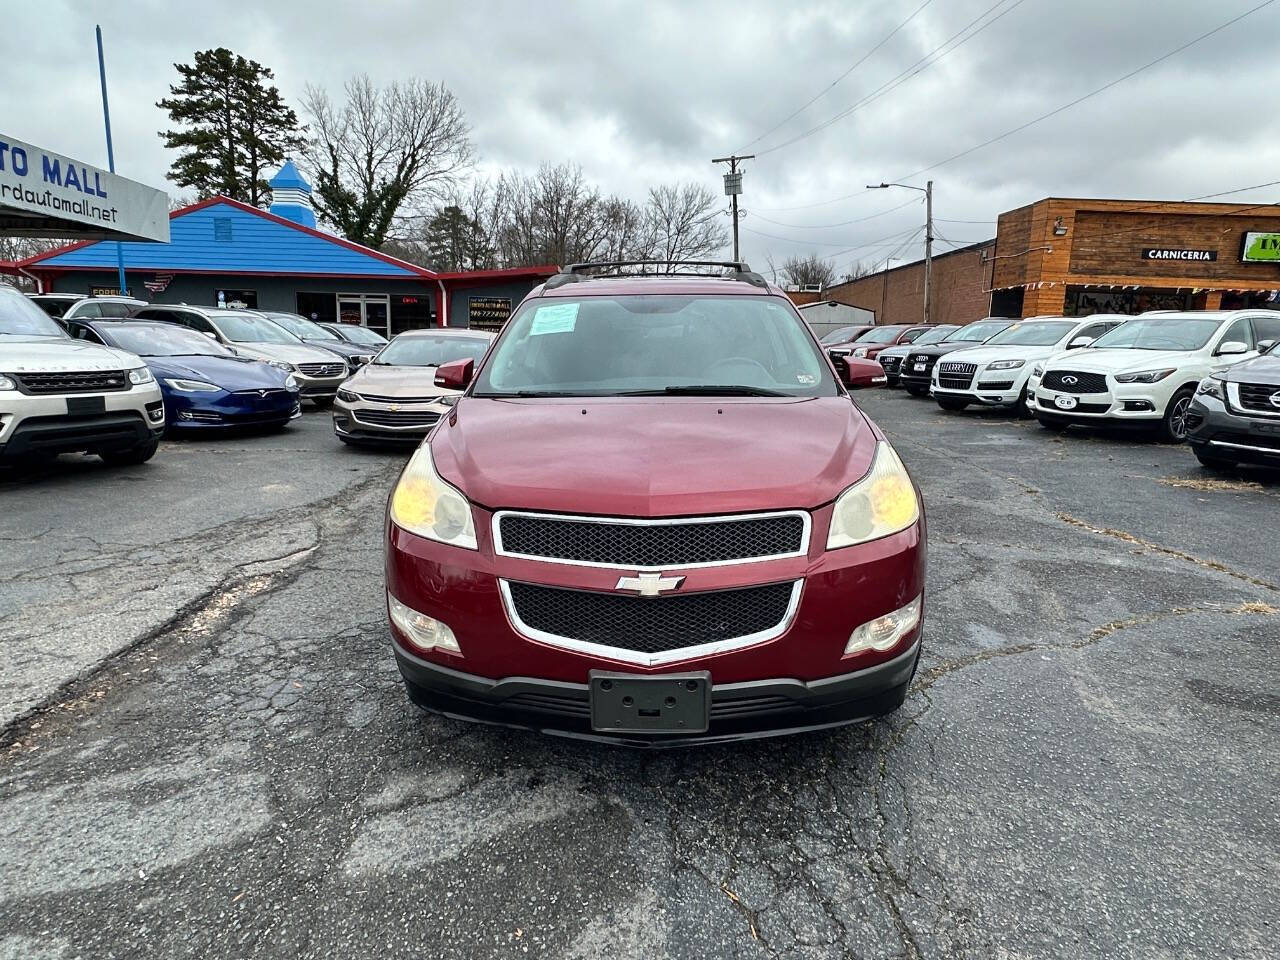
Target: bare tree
pixel 19 248
pixel 383 153
pixel 685 221
pixel 807 271
pixel 859 269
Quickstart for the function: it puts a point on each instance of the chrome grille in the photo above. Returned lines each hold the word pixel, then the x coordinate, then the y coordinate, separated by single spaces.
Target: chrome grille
pixel 322 369
pixel 397 418
pixel 664 544
pixel 1257 396
pixel 890 364
pixel 380 398
pixel 1063 382
pixel 954 366
pixel 953 375
pixel 89 381
pixel 647 625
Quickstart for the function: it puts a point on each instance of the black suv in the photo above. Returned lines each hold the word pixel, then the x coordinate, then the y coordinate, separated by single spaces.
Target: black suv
pixel 917 368
pixel 1235 416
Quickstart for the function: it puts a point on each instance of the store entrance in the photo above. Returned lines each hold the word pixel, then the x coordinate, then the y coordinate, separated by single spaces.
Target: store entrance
pixel 370 310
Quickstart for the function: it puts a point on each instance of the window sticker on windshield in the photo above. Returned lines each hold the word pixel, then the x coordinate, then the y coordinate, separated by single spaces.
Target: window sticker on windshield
pixel 557 318
pixel 808 379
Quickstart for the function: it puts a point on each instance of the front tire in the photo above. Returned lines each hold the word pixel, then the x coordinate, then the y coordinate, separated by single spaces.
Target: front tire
pixel 1173 426
pixel 322 403
pixel 1214 463
pixel 916 391
pixel 951 403
pixel 131 456
pixel 1056 426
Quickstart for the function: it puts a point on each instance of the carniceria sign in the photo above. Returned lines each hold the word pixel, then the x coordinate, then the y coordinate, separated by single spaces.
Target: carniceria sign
pixel 43 193
pixel 1261 248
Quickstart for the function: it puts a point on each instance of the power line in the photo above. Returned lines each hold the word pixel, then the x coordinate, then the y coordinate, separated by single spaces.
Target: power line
pixel 928 60
pixel 843 223
pixel 821 243
pixel 827 89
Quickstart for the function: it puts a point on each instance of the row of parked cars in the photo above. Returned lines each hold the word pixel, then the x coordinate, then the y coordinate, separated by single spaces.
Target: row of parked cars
pixel 110 375
pixel 1210 378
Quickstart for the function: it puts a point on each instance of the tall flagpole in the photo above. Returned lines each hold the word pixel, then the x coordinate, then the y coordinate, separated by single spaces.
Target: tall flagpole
pixel 111 156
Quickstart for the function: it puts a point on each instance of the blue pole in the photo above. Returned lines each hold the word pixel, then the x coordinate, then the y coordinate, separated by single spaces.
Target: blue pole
pixel 111 157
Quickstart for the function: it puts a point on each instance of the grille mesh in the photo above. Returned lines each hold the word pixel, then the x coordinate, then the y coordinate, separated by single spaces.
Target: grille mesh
pixel 651 625
pixel 1085 382
pixel 398 418
pixel 322 369
pixel 1257 396
pixel 651 545
pixel 92 381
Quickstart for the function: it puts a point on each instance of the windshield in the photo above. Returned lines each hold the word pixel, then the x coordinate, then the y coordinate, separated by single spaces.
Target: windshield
pixel 358 334
pixel 880 335
pixel 164 340
pixel 20 317
pixel 424 350
pixel 248 328
pixel 933 336
pixel 661 344
pixel 975 332
pixel 1038 333
pixel 1159 333
pixel 841 335
pixel 301 327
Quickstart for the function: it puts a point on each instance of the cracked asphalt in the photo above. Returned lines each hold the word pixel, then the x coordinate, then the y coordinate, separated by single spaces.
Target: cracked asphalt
pixel 205 749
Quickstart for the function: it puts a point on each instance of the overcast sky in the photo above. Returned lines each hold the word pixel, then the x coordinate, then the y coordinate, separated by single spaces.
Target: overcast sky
pixel 639 94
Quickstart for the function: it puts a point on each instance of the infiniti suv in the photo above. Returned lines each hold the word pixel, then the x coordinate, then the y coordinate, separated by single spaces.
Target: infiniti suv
pixel 623 530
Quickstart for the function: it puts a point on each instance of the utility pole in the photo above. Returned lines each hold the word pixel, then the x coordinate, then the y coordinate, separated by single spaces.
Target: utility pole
pixel 732 188
pixel 927 190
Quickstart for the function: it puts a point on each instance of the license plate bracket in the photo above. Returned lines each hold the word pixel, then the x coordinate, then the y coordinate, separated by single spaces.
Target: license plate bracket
pixel 671 703
pixel 86 406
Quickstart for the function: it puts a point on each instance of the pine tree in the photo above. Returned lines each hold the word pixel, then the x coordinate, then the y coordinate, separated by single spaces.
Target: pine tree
pixel 231 126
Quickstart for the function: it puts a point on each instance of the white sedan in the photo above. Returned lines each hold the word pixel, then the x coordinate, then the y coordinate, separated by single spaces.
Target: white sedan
pixel 995 374
pixel 1144 372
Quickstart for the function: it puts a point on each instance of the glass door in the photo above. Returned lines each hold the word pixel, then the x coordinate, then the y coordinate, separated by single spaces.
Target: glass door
pixel 372 310
pixel 376 312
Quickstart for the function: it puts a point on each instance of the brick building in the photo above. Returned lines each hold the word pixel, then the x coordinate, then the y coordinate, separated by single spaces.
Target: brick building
pixel 1077 257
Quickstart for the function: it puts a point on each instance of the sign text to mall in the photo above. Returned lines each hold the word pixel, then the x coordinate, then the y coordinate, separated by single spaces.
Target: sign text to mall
pixel 1164 253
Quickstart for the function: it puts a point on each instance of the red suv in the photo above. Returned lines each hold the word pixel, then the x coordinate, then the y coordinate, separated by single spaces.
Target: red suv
pixel 620 532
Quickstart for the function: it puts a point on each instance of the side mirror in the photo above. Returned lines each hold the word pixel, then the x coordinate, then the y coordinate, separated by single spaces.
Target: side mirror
pixel 1231 348
pixel 456 374
pixel 862 374
pixel 1079 342
pixel 210 334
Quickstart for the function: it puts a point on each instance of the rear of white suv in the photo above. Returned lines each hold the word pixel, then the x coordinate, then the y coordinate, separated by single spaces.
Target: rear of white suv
pixel 59 395
pixel 1144 372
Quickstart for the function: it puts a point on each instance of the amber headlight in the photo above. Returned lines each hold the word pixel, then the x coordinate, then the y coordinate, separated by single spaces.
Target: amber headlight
pixel 424 504
pixel 881 503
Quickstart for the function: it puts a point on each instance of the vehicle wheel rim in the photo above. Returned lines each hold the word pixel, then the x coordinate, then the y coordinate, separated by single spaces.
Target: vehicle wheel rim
pixel 1178 421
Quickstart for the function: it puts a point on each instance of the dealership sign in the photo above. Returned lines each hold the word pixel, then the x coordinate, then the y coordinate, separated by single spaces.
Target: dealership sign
pixel 1261 248
pixel 44 193
pixel 1164 253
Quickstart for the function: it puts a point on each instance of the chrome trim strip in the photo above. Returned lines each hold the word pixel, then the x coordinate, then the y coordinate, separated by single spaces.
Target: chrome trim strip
pixel 1244 446
pixel 1233 395
pixel 805 519
pixel 649 659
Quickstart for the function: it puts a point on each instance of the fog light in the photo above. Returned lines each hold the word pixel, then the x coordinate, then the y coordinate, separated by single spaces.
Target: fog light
pixel 884 633
pixel 424 632
pixel 1139 405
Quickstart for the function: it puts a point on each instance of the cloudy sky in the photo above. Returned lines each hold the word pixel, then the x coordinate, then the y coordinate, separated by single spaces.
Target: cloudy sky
pixel 639 94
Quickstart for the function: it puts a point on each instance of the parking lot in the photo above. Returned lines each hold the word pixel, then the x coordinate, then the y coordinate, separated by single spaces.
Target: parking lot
pixel 207 751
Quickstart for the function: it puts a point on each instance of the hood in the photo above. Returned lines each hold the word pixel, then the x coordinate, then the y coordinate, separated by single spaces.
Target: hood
pixel 1264 370
pixel 288 352
pixel 229 373
pixel 55 354
pixel 899 351
pixel 394 381
pixel 981 355
pixel 653 456
pixel 1089 360
pixel 342 348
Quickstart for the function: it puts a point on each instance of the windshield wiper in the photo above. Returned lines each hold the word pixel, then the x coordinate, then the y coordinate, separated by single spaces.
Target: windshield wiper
pixel 707 390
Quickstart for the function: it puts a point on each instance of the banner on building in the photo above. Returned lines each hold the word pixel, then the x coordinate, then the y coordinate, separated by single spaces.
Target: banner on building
pixel 1261 248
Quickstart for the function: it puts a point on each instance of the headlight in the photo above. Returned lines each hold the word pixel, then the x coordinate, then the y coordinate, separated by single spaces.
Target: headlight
pixel 1145 376
pixel 1038 370
pixel 1005 365
pixel 140 375
pixel 1212 387
pixel 448 400
pixel 281 365
pixel 290 383
pixel 860 352
pixel 881 503
pixel 427 506
pixel 884 633
pixel 346 396
pixel 6 383
pixel 192 386
pixel 425 632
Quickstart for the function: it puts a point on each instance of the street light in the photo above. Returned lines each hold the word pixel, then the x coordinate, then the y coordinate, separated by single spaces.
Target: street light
pixel 927 190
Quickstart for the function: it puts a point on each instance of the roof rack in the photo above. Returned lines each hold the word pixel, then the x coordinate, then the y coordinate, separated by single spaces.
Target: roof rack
pixel 578 272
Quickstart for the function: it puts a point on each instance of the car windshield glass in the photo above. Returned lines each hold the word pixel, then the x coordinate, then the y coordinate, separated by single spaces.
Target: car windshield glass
pixel 880 335
pixel 358 334
pixel 164 340
pixel 659 344
pixel 424 350
pixel 248 328
pixel 20 317
pixel 1038 333
pixel 301 327
pixel 840 336
pixel 975 331
pixel 53 306
pixel 1159 333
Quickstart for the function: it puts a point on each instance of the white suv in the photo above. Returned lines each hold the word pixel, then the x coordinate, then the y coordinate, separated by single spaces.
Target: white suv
pixel 1144 372
pixel 59 395
pixel 996 373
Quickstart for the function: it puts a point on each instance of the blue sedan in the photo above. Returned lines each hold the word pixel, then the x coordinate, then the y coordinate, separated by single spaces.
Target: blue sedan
pixel 205 385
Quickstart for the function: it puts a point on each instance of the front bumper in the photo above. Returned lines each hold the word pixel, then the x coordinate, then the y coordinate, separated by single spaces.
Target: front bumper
pixel 42 424
pixel 1217 431
pixel 992 388
pixel 318 388
pixel 389 422
pixel 1124 404
pixel 229 409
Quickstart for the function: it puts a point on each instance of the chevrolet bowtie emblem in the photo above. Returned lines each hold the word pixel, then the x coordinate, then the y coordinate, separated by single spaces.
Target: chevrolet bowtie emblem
pixel 649 584
pixel 395 406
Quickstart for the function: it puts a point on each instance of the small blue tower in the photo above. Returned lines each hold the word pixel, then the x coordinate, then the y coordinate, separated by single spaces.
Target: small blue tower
pixel 291 196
